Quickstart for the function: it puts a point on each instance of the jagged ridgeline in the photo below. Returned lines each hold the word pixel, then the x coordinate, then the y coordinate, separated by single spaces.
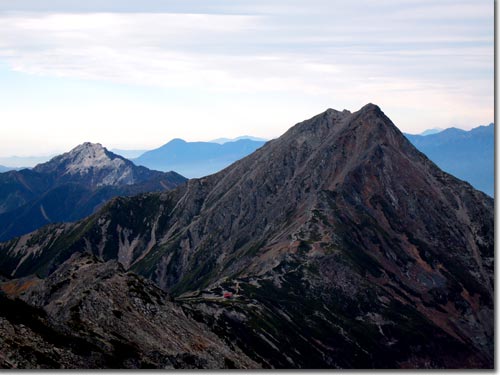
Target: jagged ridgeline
pixel 72 186
pixel 337 245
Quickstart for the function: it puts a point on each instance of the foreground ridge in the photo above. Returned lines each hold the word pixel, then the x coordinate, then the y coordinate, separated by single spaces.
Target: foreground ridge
pixel 95 315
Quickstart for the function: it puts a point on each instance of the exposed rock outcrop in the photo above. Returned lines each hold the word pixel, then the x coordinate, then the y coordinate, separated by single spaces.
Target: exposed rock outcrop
pixel 89 314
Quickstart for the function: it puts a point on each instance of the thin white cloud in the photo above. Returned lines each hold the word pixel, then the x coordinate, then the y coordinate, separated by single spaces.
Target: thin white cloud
pixel 214 52
pixel 399 54
pixel 442 12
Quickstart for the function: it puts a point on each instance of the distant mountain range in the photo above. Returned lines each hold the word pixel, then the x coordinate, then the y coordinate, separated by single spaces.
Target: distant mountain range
pixel 226 140
pixel 336 245
pixel 197 159
pixel 71 186
pixel 431 131
pixel 468 155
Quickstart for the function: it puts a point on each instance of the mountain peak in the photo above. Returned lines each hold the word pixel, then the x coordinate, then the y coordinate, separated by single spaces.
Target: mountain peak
pixel 372 115
pixel 91 151
pixel 369 125
pixel 88 146
pixel 82 158
pixel 93 165
pixel 374 126
pixel 370 107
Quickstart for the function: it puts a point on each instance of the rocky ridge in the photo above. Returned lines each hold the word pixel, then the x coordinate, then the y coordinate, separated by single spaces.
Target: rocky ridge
pixel 344 247
pixel 90 314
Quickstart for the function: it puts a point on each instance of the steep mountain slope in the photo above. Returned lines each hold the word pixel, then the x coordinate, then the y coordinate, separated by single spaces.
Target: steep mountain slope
pixel 468 155
pixel 94 315
pixel 343 245
pixel 196 159
pixel 70 187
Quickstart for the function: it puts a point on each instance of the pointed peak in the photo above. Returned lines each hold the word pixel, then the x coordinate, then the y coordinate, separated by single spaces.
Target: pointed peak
pixel 332 121
pixel 372 121
pixel 81 159
pixel 370 118
pixel 370 107
pixel 88 146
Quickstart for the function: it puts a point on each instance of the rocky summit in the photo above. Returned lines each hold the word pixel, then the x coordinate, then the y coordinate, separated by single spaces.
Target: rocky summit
pixel 94 165
pixel 72 186
pixel 337 245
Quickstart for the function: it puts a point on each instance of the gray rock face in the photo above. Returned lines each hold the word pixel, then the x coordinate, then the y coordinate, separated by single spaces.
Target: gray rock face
pixel 89 314
pixel 93 165
pixel 344 247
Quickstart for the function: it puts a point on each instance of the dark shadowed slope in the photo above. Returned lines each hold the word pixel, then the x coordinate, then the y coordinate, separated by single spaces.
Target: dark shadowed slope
pixel 344 246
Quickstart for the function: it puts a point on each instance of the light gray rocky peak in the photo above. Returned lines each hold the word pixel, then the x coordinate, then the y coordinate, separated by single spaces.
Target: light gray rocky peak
pixel 92 164
pixel 91 155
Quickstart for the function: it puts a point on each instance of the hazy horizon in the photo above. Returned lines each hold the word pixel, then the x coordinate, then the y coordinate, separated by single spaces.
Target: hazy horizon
pixel 11 162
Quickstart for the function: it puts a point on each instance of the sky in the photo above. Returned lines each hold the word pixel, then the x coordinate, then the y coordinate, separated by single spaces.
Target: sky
pixel 135 74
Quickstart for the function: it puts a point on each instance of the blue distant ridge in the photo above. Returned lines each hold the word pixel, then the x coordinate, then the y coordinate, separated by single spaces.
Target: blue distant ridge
pixel 468 155
pixel 196 159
